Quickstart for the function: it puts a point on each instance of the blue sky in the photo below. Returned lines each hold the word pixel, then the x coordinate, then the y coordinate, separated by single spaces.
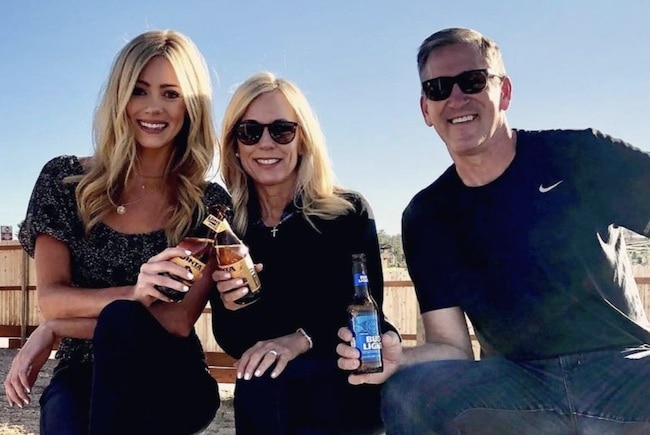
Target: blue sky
pixel 574 64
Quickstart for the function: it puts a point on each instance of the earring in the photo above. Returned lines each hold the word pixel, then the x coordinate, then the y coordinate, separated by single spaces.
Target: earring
pixel 237 155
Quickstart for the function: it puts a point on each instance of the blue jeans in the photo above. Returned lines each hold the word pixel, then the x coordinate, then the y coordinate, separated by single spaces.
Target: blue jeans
pixel 143 380
pixel 605 392
pixel 65 402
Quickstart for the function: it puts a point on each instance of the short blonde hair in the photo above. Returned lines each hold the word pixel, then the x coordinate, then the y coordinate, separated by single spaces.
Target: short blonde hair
pixel 315 188
pixel 115 157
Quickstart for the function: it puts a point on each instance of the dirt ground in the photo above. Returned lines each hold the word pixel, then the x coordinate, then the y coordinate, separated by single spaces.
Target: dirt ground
pixel 17 421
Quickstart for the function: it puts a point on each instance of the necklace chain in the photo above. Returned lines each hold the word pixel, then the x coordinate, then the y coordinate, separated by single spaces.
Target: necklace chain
pixel 149 177
pixel 121 209
pixel 275 228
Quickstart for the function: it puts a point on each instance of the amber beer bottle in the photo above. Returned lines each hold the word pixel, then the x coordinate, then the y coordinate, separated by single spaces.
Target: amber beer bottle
pixel 364 320
pixel 233 256
pixel 200 241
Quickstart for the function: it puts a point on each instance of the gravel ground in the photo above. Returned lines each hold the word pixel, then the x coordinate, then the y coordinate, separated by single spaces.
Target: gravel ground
pixel 17 421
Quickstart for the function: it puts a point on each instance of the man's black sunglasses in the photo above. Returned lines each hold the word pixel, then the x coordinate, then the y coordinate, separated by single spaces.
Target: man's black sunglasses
pixel 250 132
pixel 470 82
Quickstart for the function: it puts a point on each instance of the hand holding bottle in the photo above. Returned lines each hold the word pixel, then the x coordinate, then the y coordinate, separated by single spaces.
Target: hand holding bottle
pixel 233 257
pixel 198 248
pixel 232 289
pixel 161 271
pixel 349 357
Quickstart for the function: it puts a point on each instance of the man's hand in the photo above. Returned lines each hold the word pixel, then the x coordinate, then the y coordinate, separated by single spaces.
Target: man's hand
pixel 349 357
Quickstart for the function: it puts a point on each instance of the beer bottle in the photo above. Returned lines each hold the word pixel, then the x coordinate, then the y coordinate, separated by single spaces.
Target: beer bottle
pixel 200 241
pixel 364 320
pixel 233 256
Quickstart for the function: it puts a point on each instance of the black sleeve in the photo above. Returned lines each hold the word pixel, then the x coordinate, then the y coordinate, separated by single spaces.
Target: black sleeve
pixel 431 252
pixel 215 194
pixel 618 177
pixel 52 207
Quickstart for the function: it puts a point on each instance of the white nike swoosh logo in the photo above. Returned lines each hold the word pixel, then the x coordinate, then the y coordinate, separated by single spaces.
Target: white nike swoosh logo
pixel 544 189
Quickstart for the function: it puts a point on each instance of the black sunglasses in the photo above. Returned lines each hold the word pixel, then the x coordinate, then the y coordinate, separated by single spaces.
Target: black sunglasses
pixel 250 132
pixel 470 82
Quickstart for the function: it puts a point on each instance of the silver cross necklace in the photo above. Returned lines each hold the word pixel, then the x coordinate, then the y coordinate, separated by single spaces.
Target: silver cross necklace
pixel 275 228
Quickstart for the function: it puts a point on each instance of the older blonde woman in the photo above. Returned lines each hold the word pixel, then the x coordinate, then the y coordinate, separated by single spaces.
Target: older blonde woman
pixel 99 228
pixel 304 230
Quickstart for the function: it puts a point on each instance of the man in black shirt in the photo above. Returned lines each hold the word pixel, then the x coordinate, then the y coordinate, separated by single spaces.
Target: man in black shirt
pixel 522 234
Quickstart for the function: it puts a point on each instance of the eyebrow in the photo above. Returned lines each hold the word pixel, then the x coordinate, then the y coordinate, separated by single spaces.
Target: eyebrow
pixel 164 85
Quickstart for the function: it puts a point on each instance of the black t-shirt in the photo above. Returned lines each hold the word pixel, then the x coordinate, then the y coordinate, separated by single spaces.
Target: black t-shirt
pixel 536 258
pixel 307 279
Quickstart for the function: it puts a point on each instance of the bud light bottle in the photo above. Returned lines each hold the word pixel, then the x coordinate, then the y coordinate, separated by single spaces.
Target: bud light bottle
pixel 364 320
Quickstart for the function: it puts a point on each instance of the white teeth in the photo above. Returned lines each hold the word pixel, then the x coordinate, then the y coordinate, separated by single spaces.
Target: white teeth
pixel 267 161
pixel 156 126
pixel 462 119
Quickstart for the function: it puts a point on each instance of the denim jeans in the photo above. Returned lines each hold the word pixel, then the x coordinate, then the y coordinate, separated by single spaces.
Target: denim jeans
pixel 143 380
pixel 605 392
pixel 65 402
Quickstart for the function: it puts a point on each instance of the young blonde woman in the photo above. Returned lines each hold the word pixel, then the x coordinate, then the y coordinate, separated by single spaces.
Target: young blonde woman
pixel 99 230
pixel 304 230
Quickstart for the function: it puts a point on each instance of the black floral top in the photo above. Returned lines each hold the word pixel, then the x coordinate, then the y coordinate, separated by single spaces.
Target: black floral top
pixel 105 257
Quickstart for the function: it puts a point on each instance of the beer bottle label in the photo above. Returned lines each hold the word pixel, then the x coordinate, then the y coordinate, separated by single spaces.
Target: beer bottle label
pixel 245 270
pixel 214 223
pixel 360 279
pixel 366 336
pixel 192 264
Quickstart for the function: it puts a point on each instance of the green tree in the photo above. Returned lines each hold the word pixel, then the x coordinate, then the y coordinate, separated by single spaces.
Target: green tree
pixel 638 247
pixel 393 245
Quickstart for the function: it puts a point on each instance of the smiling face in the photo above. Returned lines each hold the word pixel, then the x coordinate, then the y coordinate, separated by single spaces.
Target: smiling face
pixel 467 123
pixel 268 163
pixel 156 108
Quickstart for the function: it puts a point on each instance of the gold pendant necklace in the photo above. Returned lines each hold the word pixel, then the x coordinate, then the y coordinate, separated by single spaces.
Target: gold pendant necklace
pixel 121 209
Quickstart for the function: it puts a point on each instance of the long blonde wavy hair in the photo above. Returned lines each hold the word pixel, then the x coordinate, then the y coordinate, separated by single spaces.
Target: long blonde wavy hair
pixel 315 191
pixel 115 158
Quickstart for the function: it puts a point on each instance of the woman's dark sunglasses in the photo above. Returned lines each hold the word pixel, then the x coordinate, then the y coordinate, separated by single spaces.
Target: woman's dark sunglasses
pixel 250 132
pixel 470 82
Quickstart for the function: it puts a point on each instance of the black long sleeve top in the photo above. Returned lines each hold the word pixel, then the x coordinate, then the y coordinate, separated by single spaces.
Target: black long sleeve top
pixel 307 279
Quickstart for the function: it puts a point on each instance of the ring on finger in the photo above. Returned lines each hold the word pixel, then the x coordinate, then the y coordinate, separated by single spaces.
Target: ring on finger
pixel 273 352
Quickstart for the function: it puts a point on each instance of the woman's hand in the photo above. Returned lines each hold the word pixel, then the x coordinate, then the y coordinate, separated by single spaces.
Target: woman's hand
pixel 151 275
pixel 27 364
pixel 279 351
pixel 349 357
pixel 231 289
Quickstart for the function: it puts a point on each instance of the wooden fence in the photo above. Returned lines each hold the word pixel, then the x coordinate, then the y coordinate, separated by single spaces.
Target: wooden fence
pixel 19 311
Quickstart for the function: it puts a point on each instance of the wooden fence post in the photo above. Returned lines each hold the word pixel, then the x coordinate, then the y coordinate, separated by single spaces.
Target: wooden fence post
pixel 24 287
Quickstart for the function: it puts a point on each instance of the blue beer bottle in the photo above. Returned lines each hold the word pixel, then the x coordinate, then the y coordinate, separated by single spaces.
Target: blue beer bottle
pixel 364 320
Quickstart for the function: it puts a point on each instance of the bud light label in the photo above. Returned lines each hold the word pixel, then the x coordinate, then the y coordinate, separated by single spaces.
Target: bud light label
pixel 366 336
pixel 360 279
